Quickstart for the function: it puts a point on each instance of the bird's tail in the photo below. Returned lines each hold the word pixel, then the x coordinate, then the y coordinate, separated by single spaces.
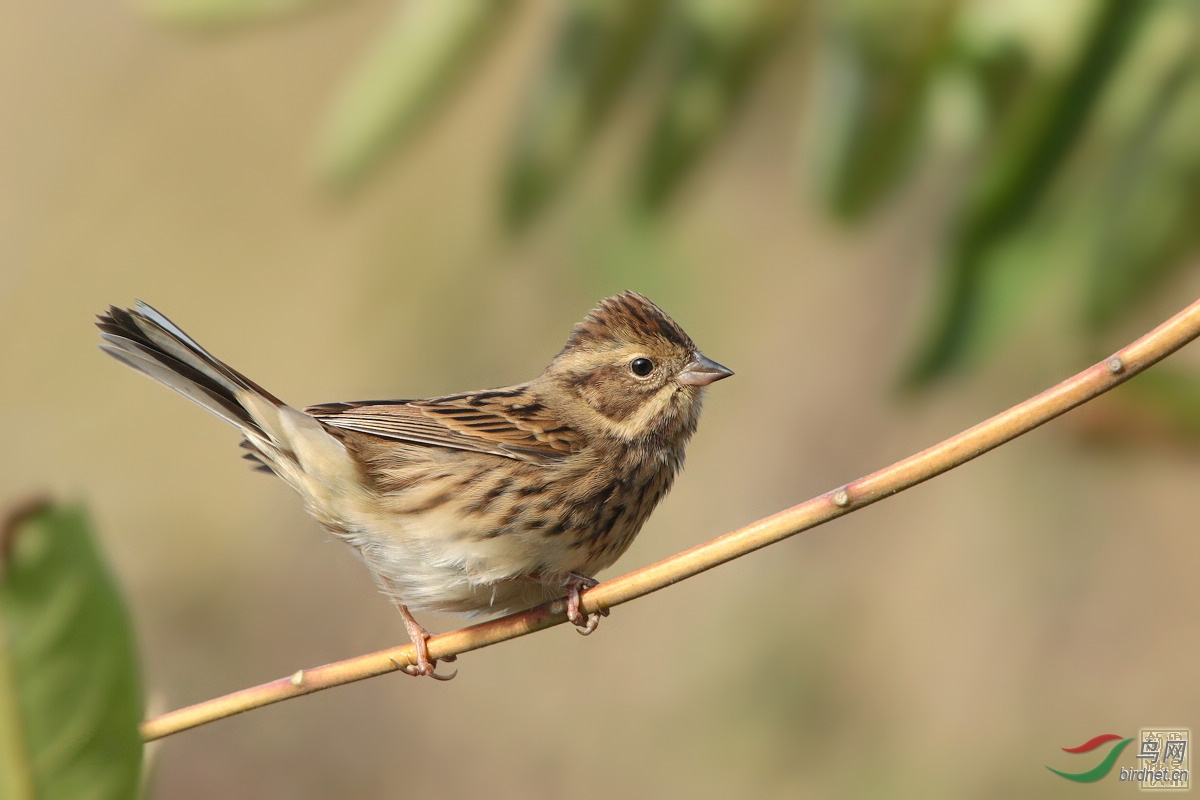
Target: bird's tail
pixel 294 445
pixel 150 343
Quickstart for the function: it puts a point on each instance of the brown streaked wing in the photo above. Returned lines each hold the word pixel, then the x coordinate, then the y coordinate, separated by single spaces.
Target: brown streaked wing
pixel 474 422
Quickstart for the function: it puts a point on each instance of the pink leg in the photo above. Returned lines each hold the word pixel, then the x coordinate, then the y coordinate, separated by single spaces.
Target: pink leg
pixel 420 637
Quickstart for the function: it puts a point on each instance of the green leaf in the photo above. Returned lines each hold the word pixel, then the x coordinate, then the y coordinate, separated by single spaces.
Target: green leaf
pixel 720 46
pixel 1171 398
pixel 1149 199
pixel 70 694
pixel 417 59
pixel 879 61
pixel 599 44
pixel 1160 407
pixel 1014 180
pixel 212 14
pixel 1002 71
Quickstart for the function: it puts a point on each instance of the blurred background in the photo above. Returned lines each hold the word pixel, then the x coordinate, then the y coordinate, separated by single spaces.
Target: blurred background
pixel 891 219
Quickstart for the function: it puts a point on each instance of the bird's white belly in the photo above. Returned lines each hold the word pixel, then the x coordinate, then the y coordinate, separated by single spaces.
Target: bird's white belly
pixel 434 562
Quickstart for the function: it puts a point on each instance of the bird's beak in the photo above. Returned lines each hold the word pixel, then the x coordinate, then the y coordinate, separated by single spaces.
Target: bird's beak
pixel 703 371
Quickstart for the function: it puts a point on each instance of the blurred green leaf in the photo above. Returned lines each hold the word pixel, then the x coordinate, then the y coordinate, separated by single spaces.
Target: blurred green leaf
pixel 1013 181
pixel 223 13
pixel 599 44
pixel 1159 407
pixel 70 695
pixel 1171 397
pixel 720 46
pixel 1149 203
pixel 414 64
pixel 1001 72
pixel 878 63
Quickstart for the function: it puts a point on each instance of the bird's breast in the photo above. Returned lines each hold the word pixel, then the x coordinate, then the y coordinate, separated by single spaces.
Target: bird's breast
pixel 458 540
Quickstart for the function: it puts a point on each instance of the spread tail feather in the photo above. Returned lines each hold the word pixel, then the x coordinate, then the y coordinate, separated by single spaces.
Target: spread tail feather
pixel 150 343
pixel 280 439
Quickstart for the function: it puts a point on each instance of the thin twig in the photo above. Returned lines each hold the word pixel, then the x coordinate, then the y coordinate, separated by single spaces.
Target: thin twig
pixel 1022 418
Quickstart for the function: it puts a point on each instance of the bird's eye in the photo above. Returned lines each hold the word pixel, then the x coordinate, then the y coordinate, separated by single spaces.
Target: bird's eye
pixel 641 367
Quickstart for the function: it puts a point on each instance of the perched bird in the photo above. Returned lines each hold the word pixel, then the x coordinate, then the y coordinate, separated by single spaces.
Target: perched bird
pixel 480 502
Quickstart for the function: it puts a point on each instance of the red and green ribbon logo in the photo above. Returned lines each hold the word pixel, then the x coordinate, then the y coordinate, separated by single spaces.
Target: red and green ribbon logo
pixel 1104 767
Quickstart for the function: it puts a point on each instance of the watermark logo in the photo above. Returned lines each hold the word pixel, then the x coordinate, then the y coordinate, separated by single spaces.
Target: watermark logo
pixel 1104 767
pixel 1163 760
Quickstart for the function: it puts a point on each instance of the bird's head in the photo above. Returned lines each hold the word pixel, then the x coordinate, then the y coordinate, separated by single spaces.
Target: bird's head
pixel 637 372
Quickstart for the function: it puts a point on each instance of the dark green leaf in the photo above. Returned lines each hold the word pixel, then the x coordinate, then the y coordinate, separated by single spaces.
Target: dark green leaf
pixel 1002 72
pixel 877 67
pixel 1159 407
pixel 1014 180
pixel 720 45
pixel 1150 199
pixel 412 66
pixel 70 696
pixel 1174 397
pixel 599 44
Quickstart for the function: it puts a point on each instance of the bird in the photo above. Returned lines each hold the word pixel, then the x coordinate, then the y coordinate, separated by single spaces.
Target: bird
pixel 480 502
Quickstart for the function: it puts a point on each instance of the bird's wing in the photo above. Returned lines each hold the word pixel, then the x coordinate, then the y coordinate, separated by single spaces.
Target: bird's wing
pixel 495 422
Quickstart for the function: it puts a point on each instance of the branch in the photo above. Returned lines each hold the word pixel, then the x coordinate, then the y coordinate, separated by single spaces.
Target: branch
pixel 1021 418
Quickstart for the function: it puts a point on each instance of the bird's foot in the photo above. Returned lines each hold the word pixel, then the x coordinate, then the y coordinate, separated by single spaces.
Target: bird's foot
pixel 585 624
pixel 424 666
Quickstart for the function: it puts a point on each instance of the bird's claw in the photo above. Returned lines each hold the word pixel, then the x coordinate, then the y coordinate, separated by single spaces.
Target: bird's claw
pixel 424 665
pixel 585 625
pixel 589 627
pixel 424 669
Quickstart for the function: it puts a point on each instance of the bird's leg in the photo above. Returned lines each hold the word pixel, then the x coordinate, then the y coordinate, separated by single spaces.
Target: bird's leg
pixel 575 583
pixel 420 639
pixel 418 634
